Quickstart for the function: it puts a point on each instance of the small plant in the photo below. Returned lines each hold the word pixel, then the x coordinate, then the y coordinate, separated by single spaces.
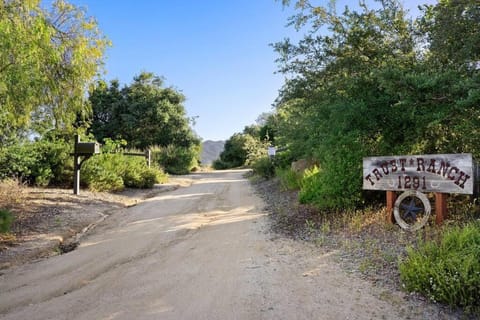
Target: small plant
pixel 6 219
pixel 310 187
pixel 324 231
pixel 289 179
pixel 447 271
pixel 325 228
pixel 264 167
pixel 310 225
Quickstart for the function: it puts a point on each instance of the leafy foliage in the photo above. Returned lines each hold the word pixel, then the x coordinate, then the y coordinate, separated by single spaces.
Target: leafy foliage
pixel 176 159
pixel 289 179
pixel 444 22
pixel 114 171
pixel 264 167
pixel 310 186
pixel 376 83
pixel 448 271
pixel 6 219
pixel 144 114
pixel 38 162
pixel 47 61
pixel 245 149
pixel 234 153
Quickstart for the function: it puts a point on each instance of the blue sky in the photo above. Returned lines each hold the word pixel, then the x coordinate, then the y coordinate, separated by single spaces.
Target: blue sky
pixel 215 51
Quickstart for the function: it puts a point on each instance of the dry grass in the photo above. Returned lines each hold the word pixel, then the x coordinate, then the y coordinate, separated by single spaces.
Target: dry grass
pixel 12 198
pixel 11 193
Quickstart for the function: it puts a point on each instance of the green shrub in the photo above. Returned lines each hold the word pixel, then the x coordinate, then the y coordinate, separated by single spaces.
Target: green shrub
pixel 289 179
pixel 234 153
pixel 310 186
pixel 113 172
pixel 175 159
pixel 103 180
pixel 54 165
pixel 6 219
pixel 138 175
pixel 133 177
pixel 17 161
pixel 39 162
pixel 338 185
pixel 103 172
pixel 264 167
pixel 448 271
pixel 220 165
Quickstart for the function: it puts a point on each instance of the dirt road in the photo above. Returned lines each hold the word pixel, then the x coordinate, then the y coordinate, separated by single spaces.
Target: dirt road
pixel 199 252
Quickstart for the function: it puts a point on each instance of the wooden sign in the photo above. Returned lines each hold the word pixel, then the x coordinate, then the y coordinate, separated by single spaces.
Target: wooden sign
pixel 445 173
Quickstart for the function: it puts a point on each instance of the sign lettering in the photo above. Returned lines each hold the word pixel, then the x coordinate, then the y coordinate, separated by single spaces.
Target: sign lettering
pixel 446 173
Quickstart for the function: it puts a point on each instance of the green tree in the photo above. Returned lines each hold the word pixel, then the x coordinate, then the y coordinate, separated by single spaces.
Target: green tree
pixel 452 32
pixel 334 107
pixel 106 101
pixel 234 153
pixel 442 91
pixel 371 82
pixel 144 113
pixel 243 148
pixel 47 62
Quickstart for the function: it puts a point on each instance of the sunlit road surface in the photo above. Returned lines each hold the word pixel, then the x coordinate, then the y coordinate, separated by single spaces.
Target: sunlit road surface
pixel 199 252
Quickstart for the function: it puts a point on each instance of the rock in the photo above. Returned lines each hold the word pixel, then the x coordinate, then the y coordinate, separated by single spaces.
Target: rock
pixel 303 164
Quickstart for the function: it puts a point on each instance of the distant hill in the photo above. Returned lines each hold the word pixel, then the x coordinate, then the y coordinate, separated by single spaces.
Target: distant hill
pixel 211 151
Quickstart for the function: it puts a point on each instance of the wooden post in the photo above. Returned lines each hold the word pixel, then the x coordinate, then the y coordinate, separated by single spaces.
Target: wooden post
pixel 440 207
pixel 148 155
pixel 391 198
pixel 76 168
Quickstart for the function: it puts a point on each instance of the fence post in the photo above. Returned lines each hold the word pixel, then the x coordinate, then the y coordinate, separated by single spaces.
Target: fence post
pixel 76 167
pixel 391 198
pixel 148 155
pixel 440 207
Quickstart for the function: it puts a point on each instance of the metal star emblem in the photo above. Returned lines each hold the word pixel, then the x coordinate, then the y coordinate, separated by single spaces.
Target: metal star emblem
pixel 411 209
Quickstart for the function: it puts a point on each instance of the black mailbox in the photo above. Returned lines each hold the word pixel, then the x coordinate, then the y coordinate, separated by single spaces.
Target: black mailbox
pixel 85 148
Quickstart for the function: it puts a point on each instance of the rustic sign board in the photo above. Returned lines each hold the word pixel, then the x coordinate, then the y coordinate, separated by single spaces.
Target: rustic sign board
pixel 445 173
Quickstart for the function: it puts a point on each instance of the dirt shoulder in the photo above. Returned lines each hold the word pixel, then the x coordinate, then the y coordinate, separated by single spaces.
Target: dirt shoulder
pixel 361 243
pixel 51 221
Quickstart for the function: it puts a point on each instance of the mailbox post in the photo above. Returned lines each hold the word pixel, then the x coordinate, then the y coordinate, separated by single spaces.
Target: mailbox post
pixel 85 150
